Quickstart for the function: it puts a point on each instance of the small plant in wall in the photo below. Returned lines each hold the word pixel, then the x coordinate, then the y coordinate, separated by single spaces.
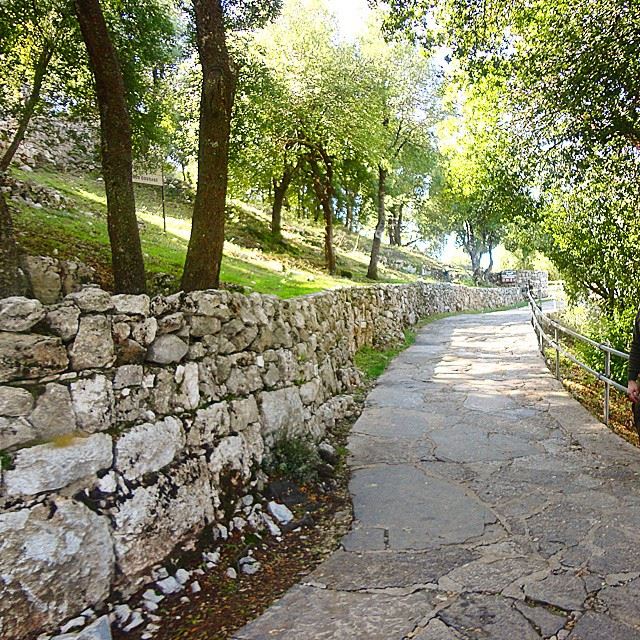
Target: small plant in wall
pixel 6 461
pixel 295 458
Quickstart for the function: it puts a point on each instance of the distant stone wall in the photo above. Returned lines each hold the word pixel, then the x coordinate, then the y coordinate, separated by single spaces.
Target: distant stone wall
pixel 539 280
pixel 127 423
pixel 58 143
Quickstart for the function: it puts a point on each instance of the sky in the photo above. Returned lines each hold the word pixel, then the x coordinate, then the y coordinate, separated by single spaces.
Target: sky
pixel 351 15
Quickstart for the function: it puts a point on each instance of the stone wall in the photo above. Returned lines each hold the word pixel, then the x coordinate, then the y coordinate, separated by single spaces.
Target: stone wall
pixel 127 423
pixel 57 143
pixel 539 280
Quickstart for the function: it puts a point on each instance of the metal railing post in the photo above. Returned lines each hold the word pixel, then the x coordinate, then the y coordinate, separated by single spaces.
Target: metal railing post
pixel 607 386
pixel 555 339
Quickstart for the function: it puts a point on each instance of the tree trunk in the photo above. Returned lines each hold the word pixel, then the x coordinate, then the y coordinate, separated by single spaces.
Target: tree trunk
pixel 397 230
pixel 279 192
pixel 475 263
pixel 115 147
pixel 204 254
pixel 488 270
pixel 323 186
pixel 390 227
pixel 13 279
pixel 39 73
pixel 348 221
pixel 372 272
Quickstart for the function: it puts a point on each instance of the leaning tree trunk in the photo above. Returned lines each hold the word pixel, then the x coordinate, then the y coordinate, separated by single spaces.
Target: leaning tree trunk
pixel 13 279
pixel 372 272
pixel 323 187
pixel 279 192
pixel 39 73
pixel 115 146
pixel 204 254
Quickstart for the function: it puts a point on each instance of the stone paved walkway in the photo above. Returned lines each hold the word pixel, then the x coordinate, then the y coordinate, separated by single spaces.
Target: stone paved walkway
pixel 488 504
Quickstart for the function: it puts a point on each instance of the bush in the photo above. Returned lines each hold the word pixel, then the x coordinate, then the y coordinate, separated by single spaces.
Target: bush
pixel 295 458
pixel 615 331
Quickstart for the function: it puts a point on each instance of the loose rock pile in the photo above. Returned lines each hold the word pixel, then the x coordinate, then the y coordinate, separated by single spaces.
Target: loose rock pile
pixel 127 425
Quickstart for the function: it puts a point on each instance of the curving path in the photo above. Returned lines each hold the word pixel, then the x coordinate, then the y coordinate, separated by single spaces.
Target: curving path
pixel 488 504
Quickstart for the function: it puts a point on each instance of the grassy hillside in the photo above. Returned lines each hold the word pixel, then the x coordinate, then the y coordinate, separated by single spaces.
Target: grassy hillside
pixel 253 259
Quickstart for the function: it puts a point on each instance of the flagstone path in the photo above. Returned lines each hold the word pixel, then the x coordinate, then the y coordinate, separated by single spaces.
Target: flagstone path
pixel 488 505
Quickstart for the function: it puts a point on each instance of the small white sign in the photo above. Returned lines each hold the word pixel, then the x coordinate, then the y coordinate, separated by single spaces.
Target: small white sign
pixel 148 178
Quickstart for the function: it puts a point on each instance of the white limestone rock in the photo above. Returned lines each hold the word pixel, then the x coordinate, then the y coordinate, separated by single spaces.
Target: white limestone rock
pixel 15 402
pixel 93 347
pixel 156 518
pixel 149 447
pixel 280 512
pixel 167 349
pixel 145 332
pixel 204 325
pixel 171 323
pixel 15 431
pixel 63 543
pixel 53 415
pixel 52 466
pixel 93 403
pixel 243 413
pixel 20 314
pixel 128 375
pixel 63 320
pixel 131 304
pixel 189 388
pixel 310 391
pixel 91 300
pixel 282 412
pixel 30 356
pixel 210 423
pixel 45 278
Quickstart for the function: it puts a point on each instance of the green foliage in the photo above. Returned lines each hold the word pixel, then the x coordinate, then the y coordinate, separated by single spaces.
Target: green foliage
pixel 295 458
pixel 6 461
pixel 479 190
pixel 372 362
pixel 616 331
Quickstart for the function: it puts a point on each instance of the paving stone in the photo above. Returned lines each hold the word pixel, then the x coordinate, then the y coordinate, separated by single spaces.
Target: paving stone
pixel 437 630
pixel 623 603
pixel 491 617
pixel 381 570
pixel 597 626
pixel 562 590
pixel 472 467
pixel 493 577
pixel 546 620
pixel 336 615
pixel 419 511
pixel 614 550
pixel 391 422
pixel 463 445
pixel 367 450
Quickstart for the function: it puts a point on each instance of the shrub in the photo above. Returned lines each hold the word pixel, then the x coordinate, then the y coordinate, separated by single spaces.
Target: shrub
pixel 295 458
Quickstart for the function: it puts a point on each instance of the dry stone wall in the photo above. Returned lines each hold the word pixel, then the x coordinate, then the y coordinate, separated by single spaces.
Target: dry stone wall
pixel 127 424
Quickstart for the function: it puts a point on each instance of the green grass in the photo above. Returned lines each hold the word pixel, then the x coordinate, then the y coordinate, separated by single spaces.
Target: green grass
pixel 254 259
pixel 372 362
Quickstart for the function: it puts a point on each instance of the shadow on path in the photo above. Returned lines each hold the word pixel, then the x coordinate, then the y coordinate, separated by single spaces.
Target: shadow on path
pixel 488 504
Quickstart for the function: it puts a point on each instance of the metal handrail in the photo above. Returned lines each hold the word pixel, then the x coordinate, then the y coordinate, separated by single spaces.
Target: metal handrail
pixel 538 317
